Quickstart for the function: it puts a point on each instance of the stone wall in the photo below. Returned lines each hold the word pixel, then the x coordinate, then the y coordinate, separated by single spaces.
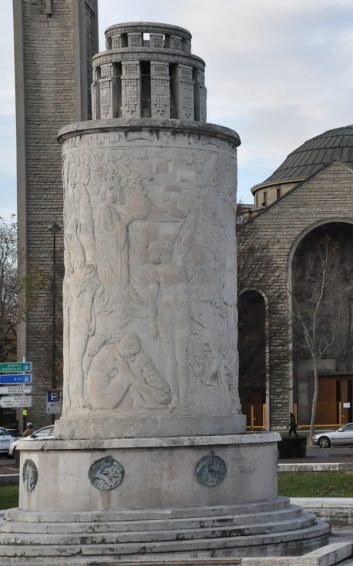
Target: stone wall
pixel 51 45
pixel 267 242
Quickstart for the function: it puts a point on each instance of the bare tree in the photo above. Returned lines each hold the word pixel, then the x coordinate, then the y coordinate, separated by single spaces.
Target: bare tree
pixel 8 290
pixel 254 258
pixel 11 287
pixel 315 307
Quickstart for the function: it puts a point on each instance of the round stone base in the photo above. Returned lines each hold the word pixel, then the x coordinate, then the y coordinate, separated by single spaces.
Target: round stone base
pixel 145 473
pixel 149 499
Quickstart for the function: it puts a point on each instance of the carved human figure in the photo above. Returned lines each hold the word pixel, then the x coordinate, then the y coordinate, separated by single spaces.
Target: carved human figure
pixel 124 368
pixel 169 306
pixel 112 245
pixel 150 390
pixel 80 286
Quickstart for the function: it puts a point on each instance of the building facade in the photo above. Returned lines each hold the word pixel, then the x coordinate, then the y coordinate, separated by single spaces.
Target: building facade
pixel 54 44
pixel 302 213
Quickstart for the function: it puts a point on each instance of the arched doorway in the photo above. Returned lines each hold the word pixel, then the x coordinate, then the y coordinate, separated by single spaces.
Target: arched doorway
pixel 322 319
pixel 252 357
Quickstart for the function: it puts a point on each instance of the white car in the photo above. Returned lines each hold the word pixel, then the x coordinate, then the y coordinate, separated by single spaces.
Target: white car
pixel 340 437
pixel 45 433
pixel 5 440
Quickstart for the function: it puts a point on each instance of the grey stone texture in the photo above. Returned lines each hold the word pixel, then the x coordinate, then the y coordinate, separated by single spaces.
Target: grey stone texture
pixel 148 71
pixel 159 475
pixel 159 509
pixel 276 231
pixel 123 174
pixel 53 42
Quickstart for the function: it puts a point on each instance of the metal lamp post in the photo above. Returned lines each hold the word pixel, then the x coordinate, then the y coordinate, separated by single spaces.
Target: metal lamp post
pixel 54 229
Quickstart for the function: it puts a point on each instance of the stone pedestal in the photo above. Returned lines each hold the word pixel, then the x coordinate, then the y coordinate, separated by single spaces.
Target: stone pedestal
pixel 154 499
pixel 144 475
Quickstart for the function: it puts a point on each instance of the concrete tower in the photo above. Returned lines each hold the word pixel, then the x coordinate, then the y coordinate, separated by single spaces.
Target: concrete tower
pixel 54 44
pixel 151 458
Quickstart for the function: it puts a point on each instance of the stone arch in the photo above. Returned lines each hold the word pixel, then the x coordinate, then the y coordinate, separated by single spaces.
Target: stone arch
pixel 253 346
pixel 335 327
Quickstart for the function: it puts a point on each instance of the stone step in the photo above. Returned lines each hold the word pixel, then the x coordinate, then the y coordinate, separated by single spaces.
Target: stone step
pixel 240 545
pixel 142 537
pixel 147 514
pixel 287 513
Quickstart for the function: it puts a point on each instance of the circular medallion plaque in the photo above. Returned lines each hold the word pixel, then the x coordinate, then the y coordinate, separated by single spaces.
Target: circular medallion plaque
pixel 106 473
pixel 210 470
pixel 29 475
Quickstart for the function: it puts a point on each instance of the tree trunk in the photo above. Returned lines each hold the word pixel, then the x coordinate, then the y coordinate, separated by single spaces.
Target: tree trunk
pixel 315 398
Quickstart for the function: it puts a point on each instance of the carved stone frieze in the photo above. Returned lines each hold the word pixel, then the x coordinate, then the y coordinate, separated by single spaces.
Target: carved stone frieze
pixel 149 294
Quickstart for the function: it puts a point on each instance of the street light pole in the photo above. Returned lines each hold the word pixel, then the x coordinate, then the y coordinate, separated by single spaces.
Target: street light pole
pixel 54 229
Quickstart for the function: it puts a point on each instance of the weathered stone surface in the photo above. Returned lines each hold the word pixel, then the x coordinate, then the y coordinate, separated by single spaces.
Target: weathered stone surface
pixel 159 477
pixel 156 78
pixel 149 295
pixel 252 529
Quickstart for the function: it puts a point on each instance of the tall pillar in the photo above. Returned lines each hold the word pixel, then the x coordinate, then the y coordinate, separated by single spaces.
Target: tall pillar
pixel 54 44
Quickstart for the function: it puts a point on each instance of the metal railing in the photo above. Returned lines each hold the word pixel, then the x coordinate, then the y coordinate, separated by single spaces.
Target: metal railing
pixel 256 416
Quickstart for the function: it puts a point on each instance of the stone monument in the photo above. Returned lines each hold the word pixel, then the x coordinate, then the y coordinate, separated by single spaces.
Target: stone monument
pixel 151 457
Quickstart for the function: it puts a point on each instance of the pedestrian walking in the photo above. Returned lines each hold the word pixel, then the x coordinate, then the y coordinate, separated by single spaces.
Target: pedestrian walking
pixel 292 425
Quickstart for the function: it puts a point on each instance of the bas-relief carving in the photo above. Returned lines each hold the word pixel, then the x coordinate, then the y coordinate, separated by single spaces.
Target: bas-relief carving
pixel 81 279
pixel 124 368
pixel 29 475
pixel 159 234
pixel 170 313
pixel 106 473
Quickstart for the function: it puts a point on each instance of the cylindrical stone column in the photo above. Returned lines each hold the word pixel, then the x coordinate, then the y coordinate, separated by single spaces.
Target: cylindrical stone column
pixel 150 338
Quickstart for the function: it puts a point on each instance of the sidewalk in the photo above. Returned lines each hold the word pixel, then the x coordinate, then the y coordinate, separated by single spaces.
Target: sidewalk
pixel 320 460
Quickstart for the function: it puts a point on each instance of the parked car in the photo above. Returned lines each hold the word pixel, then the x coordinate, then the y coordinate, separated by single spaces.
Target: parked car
pixel 44 433
pixel 15 433
pixel 5 440
pixel 340 437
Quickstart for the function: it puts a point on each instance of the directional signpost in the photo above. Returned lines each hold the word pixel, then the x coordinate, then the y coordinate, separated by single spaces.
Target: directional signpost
pixel 9 401
pixel 11 378
pixel 16 389
pixel 15 367
pixel 15 384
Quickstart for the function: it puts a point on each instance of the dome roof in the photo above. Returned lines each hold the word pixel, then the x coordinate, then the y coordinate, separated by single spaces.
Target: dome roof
pixel 315 154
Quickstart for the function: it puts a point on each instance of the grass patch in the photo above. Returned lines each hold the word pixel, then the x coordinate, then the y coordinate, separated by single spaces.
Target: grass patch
pixel 8 496
pixel 290 484
pixel 315 484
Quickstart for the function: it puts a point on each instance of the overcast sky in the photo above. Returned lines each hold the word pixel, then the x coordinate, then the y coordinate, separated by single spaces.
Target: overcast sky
pixel 277 71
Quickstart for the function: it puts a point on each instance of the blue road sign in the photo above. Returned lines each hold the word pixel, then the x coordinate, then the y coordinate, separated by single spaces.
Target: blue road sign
pixel 54 397
pixel 7 379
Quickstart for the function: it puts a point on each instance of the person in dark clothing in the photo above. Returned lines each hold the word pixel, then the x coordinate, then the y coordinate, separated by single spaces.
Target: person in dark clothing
pixel 292 425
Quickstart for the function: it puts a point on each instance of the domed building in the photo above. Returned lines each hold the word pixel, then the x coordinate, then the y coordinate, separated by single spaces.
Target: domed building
pixel 305 161
pixel 296 288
